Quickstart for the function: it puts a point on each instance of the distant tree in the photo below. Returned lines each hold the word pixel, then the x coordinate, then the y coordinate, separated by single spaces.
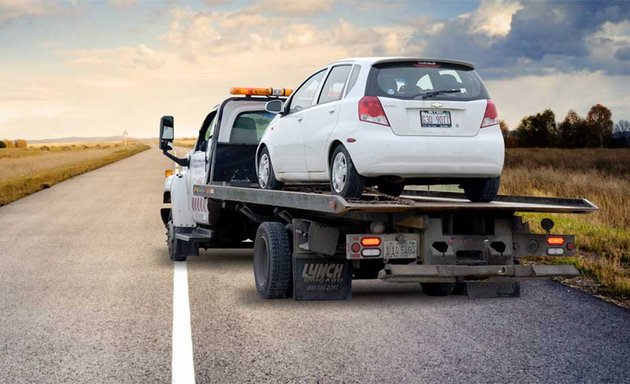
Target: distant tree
pixel 538 130
pixel 2 144
pixel 9 143
pixel 504 129
pixel 21 143
pixel 600 126
pixel 621 134
pixel 573 132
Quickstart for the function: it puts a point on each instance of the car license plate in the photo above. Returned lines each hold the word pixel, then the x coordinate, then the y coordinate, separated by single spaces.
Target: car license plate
pixel 405 249
pixel 435 119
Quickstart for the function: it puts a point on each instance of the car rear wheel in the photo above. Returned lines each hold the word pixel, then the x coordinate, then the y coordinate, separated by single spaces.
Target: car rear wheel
pixel 389 188
pixel 266 176
pixel 344 178
pixel 482 190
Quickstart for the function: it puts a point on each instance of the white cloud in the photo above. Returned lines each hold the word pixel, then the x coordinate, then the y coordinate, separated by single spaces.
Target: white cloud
pixel 493 17
pixel 13 9
pixel 114 59
pixel 122 3
pixel 295 8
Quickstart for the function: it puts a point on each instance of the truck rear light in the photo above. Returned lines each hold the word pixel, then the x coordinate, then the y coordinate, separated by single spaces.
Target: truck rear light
pixel 356 247
pixel 371 111
pixel 371 252
pixel 570 246
pixel 555 251
pixel 491 117
pixel 371 241
pixel 555 240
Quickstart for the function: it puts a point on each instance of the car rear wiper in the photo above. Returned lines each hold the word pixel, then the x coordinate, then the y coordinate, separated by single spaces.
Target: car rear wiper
pixel 426 95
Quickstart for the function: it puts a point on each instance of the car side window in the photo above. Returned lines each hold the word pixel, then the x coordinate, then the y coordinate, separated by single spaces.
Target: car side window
pixel 334 85
pixel 356 69
pixel 303 97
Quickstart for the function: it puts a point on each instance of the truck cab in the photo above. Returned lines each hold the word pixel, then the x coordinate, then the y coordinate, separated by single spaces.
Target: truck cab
pixel 224 154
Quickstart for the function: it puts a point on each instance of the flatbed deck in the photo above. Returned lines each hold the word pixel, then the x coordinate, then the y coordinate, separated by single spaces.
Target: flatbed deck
pixel 410 201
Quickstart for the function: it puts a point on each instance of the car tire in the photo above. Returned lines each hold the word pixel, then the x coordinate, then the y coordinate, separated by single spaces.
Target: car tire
pixel 266 175
pixel 392 189
pixel 344 178
pixel 482 190
pixel 438 289
pixel 272 261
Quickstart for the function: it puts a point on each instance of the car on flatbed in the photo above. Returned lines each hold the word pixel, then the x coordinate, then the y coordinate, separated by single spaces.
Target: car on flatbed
pixel 387 122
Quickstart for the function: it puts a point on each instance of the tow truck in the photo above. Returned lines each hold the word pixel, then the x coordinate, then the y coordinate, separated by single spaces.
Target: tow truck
pixel 310 244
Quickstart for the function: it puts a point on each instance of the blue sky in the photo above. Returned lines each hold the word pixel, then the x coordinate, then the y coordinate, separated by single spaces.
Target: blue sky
pixel 91 68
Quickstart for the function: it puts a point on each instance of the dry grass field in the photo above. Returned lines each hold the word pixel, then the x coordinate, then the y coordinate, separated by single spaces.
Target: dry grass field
pixel 599 175
pixel 187 142
pixel 27 170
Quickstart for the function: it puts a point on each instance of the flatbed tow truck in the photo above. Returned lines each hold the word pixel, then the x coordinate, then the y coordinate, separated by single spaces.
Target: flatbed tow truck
pixel 310 244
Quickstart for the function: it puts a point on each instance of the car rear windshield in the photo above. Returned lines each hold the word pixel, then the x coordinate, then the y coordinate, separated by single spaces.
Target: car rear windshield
pixel 425 80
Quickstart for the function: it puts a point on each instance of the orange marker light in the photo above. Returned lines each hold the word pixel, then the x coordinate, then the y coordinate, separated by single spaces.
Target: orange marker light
pixel 168 172
pixel 249 91
pixel 555 240
pixel 371 241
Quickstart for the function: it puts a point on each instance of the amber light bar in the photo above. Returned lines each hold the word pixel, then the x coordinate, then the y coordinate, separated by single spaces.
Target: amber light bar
pixel 249 91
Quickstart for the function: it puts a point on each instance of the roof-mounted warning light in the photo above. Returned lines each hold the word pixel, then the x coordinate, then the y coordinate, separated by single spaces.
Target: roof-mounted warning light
pixel 248 91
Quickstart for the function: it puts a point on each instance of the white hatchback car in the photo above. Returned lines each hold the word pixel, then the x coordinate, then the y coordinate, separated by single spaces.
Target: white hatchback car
pixel 388 122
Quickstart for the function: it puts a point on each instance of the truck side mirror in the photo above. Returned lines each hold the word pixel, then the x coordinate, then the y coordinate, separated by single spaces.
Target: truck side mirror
pixel 274 106
pixel 167 132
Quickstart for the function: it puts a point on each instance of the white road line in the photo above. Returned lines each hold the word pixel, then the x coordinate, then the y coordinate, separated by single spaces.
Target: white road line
pixel 182 366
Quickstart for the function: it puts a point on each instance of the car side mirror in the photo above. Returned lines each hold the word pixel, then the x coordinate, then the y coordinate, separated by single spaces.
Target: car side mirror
pixel 274 106
pixel 167 132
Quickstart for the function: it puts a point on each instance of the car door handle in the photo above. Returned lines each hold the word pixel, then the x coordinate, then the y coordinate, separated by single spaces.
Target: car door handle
pixel 300 118
pixel 331 111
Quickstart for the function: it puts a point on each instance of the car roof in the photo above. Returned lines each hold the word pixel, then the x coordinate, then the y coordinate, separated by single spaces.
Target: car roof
pixel 378 60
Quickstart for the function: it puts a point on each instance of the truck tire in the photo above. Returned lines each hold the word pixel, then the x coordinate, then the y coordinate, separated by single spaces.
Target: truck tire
pixel 482 190
pixel 389 188
pixel 272 261
pixel 178 250
pixel 266 175
pixel 344 178
pixel 438 289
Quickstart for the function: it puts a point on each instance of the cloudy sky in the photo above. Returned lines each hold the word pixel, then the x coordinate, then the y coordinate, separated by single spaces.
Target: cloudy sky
pixel 98 67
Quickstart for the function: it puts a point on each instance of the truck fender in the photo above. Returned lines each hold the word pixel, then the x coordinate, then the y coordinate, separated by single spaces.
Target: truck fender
pixel 166 190
pixel 181 209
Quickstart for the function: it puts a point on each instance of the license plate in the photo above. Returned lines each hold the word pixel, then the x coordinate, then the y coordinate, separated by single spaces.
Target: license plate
pixel 435 119
pixel 405 249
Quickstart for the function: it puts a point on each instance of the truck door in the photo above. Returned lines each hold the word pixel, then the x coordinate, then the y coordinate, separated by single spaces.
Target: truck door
pixel 198 169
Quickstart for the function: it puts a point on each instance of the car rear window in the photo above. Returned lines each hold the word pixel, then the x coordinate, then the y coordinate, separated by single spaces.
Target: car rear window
pixel 249 127
pixel 425 80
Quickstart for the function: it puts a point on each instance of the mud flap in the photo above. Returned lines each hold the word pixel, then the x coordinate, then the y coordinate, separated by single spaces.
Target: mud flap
pixel 478 290
pixel 321 278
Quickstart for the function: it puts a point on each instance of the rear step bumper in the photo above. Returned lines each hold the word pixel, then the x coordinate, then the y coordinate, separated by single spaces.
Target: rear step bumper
pixel 488 273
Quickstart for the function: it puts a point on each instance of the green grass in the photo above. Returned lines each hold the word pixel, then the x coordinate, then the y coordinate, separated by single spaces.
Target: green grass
pixel 15 188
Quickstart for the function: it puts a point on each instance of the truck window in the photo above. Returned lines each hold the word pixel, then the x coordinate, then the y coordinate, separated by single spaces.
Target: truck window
pixel 249 127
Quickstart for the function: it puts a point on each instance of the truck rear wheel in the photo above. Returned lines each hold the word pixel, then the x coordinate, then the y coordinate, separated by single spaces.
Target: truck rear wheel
pixel 272 261
pixel 438 289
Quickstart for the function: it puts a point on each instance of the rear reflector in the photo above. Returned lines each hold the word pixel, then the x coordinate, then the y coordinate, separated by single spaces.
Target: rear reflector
pixel 555 240
pixel 491 117
pixel 371 110
pixel 371 241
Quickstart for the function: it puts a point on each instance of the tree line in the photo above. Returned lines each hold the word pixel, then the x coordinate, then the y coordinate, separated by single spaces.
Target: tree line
pixel 597 130
pixel 19 143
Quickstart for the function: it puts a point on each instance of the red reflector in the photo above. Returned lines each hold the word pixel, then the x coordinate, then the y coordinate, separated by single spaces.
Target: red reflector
pixel 555 240
pixel 371 241
pixel 355 247
pixel 491 117
pixel 371 110
pixel 570 246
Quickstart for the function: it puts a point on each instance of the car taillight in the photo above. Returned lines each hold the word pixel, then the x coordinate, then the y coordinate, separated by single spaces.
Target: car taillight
pixel 371 110
pixel 491 117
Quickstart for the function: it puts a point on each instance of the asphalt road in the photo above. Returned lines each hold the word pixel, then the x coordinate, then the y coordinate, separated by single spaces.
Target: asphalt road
pixel 86 293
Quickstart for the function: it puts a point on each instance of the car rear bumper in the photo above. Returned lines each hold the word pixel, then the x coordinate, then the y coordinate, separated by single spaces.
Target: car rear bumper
pixel 377 151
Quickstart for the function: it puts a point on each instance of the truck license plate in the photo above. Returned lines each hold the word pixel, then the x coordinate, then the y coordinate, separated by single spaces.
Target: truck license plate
pixel 406 249
pixel 435 119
